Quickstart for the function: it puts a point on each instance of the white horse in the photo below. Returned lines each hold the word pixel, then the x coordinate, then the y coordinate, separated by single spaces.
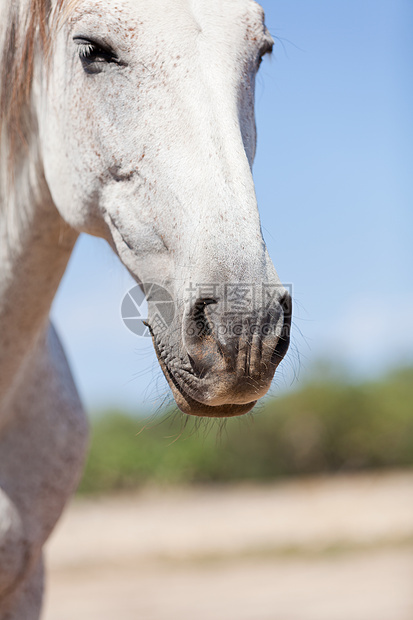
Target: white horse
pixel 134 121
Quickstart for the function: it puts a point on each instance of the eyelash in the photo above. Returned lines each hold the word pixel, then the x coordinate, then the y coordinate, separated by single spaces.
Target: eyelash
pixel 90 52
pixel 86 50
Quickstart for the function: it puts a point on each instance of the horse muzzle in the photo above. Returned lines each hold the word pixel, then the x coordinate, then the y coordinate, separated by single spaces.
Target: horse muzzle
pixel 227 360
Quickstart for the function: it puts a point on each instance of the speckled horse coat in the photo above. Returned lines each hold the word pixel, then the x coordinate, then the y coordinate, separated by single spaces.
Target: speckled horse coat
pixel 133 121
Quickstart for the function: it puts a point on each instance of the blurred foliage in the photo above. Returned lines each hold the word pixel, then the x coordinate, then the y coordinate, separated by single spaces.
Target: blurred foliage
pixel 326 426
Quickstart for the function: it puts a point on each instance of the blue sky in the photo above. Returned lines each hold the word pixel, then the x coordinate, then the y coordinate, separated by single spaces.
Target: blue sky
pixel 334 184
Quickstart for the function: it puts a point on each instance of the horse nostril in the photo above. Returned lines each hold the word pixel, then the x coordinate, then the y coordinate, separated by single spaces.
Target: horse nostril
pixel 206 301
pixel 201 304
pixel 200 324
pixel 199 337
pixel 284 337
pixel 286 304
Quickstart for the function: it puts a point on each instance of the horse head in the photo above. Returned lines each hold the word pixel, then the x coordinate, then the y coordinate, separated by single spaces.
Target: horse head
pixel 147 137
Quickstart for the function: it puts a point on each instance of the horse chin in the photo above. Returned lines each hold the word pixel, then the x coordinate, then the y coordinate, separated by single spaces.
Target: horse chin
pixel 193 407
pixel 190 406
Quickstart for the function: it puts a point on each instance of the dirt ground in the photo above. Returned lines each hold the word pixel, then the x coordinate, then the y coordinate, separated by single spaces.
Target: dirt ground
pixel 321 549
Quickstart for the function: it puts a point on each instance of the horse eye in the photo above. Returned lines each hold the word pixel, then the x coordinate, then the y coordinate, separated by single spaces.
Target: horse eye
pixel 266 49
pixel 93 54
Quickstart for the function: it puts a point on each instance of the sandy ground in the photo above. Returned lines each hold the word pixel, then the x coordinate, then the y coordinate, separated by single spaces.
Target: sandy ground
pixel 321 549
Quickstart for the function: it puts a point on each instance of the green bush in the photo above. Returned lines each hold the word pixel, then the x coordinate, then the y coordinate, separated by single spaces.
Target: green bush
pixel 326 426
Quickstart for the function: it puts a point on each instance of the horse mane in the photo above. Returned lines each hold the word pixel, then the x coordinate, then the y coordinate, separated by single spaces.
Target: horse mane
pixel 27 33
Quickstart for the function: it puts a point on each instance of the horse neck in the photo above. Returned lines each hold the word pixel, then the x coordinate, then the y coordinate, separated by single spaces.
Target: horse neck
pixel 35 245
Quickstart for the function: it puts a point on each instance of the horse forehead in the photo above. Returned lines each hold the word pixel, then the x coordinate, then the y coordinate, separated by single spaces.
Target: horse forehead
pixel 161 11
